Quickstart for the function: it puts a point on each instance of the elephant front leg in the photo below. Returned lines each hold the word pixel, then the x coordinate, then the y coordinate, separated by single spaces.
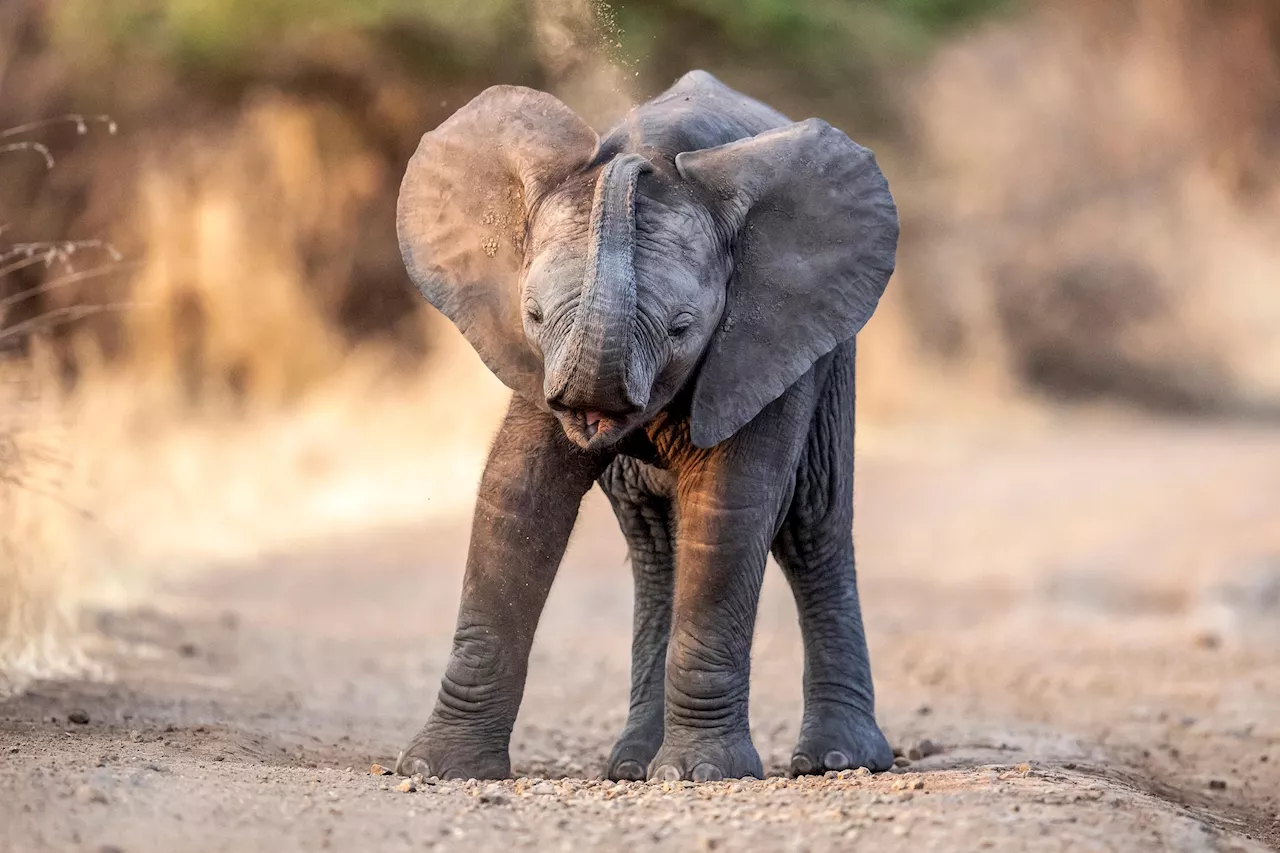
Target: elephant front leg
pixel 533 483
pixel 729 504
pixel 720 566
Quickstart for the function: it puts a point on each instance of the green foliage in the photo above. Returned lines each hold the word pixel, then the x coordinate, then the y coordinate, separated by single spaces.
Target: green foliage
pixel 235 32
pixel 824 36
pixel 799 23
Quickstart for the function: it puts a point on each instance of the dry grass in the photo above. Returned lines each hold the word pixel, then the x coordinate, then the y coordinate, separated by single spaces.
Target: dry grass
pixel 236 419
pixel 139 487
pixel 42 570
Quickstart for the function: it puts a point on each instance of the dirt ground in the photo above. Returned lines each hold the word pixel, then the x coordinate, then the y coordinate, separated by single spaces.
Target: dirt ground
pixel 1085 620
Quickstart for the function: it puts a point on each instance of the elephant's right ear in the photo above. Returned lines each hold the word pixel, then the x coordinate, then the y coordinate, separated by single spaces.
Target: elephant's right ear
pixel 463 213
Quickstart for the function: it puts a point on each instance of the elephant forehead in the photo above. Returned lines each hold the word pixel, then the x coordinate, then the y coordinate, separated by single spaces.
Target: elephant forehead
pixel 675 234
pixel 563 216
pixel 556 271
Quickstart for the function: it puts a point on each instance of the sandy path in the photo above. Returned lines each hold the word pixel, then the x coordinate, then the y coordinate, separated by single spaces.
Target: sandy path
pixel 1087 621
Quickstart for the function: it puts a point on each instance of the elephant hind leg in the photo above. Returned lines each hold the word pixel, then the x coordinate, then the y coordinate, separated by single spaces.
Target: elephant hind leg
pixel 641 499
pixel 815 550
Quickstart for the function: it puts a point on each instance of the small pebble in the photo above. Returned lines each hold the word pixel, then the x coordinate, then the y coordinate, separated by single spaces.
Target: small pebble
pixel 1208 640
pixel 79 717
pixel 407 787
pixel 1217 785
pixel 494 795
pixel 923 749
pixel 543 788
pixel 379 770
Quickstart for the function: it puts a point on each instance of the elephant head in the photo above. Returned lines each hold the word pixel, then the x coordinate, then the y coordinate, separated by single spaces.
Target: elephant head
pixel 600 282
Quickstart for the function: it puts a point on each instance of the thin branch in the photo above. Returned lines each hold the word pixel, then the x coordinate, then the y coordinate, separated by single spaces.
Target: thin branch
pixel 81 122
pixel 62 247
pixel 63 281
pixel 27 145
pixel 51 251
pixel 62 315
pixel 22 264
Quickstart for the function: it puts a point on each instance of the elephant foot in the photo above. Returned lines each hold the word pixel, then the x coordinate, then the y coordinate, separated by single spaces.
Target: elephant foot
pixel 629 761
pixel 437 752
pixel 839 738
pixel 701 758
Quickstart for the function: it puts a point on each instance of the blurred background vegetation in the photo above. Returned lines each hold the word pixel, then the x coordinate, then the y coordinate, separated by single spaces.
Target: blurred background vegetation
pixel 1087 187
pixel 1090 206
pixel 294 118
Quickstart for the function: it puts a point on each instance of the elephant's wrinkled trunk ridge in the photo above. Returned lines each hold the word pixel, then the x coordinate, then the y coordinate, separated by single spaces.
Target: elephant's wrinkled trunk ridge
pixel 594 365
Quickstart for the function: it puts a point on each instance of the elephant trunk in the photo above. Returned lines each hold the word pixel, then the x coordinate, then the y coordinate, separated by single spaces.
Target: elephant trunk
pixel 593 369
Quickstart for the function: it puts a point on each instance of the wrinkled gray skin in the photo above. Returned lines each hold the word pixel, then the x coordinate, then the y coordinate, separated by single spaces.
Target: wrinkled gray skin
pixel 674 306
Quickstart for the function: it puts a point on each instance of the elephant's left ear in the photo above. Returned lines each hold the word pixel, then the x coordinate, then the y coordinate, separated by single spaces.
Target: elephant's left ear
pixel 816 235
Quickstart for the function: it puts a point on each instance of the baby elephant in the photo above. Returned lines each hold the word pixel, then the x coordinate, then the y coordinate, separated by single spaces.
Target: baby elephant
pixel 674 306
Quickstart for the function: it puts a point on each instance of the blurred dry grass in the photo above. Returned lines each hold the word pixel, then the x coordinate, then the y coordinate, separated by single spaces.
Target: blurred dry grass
pixel 39 570
pixel 1089 206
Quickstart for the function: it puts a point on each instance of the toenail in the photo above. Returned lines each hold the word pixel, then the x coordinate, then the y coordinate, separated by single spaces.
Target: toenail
pixel 629 770
pixel 412 766
pixel 667 773
pixel 836 760
pixel 707 773
pixel 801 764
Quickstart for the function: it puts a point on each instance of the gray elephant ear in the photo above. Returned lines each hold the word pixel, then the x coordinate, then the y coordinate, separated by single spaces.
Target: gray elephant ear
pixel 463 212
pixel 815 239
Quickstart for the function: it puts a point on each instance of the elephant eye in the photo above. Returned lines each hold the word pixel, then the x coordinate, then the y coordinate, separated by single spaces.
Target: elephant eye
pixel 680 324
pixel 533 311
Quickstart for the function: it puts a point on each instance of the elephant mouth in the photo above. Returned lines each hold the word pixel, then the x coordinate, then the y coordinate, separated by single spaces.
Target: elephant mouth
pixel 593 430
